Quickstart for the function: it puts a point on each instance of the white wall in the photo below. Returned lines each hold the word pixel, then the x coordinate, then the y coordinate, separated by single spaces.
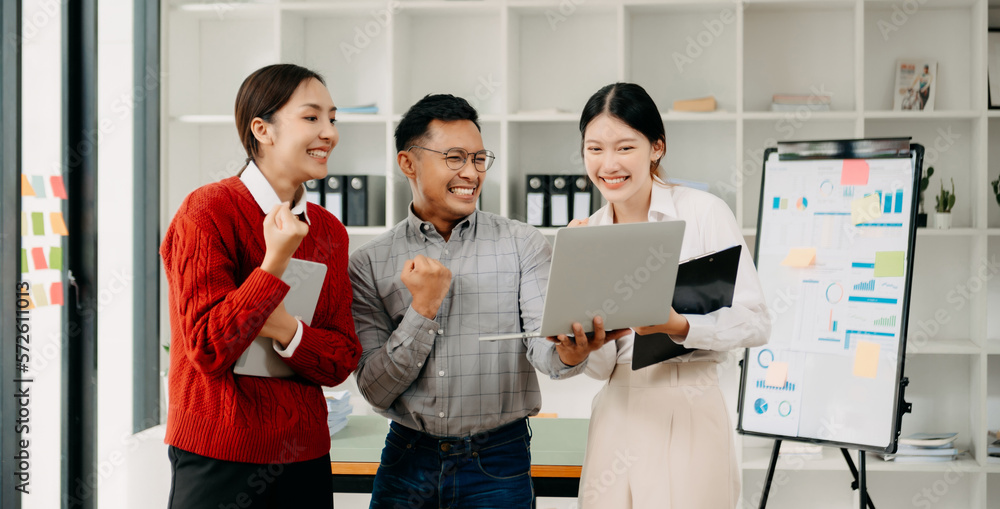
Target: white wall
pixel 41 118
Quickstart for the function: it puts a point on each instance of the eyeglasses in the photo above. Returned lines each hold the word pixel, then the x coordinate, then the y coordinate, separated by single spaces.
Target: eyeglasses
pixel 456 158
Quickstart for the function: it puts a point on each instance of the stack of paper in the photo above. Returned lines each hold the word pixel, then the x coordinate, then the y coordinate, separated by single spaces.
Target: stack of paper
pixel 797 102
pixel 925 447
pixel 338 404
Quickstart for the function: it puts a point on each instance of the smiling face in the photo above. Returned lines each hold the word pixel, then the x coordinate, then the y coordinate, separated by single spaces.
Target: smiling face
pixel 618 160
pixel 441 195
pixel 299 141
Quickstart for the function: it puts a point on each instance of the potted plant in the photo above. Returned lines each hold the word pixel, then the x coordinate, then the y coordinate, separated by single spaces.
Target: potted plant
pixel 924 182
pixel 945 201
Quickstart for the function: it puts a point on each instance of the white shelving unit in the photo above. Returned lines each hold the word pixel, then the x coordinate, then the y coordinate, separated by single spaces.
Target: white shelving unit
pixel 529 66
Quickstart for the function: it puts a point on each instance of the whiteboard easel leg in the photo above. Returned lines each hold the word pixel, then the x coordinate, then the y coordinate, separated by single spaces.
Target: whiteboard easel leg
pixel 770 473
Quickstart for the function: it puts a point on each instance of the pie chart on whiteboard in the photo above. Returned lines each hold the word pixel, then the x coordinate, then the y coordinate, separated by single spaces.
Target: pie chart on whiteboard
pixel 760 406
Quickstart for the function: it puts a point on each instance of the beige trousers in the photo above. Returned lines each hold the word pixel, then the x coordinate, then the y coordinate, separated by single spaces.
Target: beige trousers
pixel 660 438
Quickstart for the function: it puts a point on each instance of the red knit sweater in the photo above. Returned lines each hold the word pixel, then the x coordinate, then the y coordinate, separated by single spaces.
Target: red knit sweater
pixel 219 301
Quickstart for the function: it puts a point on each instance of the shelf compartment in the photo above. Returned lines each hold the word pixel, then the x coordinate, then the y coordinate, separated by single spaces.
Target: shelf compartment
pixel 349 48
pixel 201 76
pixel 556 60
pixel 992 170
pixel 888 39
pixel 448 52
pixel 547 148
pixel 683 52
pixel 798 50
pixel 940 310
pixel 688 158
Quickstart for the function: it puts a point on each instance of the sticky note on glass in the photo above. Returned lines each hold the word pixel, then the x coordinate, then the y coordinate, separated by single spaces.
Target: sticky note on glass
pixel 38 183
pixel 38 292
pixel 26 189
pixel 58 225
pixel 777 374
pixel 55 258
pixel 25 227
pixel 38 223
pixel 56 294
pixel 866 359
pixel 865 209
pixel 38 257
pixel 58 189
pixel 888 264
pixel 854 173
pixel 800 257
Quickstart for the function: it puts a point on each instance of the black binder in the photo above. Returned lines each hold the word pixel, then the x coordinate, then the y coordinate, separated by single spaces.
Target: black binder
pixel 314 191
pixel 333 196
pixel 583 198
pixel 704 284
pixel 537 200
pixel 559 204
pixel 357 200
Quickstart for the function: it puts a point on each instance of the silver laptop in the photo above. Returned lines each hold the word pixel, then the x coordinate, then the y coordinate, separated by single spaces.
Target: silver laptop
pixel 306 281
pixel 624 273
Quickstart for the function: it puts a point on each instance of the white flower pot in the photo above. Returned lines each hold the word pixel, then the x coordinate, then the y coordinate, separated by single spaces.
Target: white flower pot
pixel 942 220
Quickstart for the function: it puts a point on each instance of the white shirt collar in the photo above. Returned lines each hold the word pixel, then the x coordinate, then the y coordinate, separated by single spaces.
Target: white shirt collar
pixel 661 205
pixel 264 194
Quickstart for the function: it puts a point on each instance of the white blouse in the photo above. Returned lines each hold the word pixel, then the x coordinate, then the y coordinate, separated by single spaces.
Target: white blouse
pixel 710 226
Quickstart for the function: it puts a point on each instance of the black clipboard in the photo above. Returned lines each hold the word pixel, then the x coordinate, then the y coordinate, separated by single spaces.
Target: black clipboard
pixel 704 284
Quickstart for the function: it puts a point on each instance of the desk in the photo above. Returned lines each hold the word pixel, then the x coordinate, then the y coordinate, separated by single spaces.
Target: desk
pixel 557 447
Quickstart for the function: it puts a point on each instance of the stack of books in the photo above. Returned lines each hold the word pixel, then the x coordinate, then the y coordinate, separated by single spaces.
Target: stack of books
pixel 699 105
pixel 925 447
pixel 798 102
pixel 338 404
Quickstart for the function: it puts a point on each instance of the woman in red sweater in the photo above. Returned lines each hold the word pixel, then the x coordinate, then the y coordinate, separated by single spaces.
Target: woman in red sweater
pixel 243 441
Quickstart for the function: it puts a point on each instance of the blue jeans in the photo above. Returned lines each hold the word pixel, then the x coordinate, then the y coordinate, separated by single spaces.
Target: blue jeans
pixel 491 469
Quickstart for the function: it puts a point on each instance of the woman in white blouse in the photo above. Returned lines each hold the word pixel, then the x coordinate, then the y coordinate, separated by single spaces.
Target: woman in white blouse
pixel 661 437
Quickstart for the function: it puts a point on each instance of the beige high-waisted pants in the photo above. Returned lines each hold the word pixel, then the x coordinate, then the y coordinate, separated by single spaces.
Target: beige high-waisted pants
pixel 660 438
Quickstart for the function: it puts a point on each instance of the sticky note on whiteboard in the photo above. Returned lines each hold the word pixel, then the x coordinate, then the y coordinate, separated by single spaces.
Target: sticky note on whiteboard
pixel 854 173
pixel 889 264
pixel 800 257
pixel 865 209
pixel 866 359
pixel 777 374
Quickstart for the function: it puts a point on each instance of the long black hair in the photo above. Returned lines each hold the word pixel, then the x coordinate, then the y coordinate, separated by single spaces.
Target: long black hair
pixel 631 104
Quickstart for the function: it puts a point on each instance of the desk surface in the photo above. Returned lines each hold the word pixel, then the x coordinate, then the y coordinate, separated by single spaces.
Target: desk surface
pixel 557 446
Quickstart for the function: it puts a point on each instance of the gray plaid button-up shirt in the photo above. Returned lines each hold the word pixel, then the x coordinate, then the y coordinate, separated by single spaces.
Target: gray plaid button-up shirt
pixel 436 376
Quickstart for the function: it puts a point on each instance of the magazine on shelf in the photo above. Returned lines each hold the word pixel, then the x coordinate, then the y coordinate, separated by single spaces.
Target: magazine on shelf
pixel 916 81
